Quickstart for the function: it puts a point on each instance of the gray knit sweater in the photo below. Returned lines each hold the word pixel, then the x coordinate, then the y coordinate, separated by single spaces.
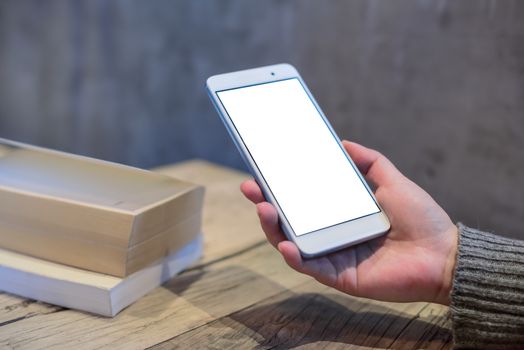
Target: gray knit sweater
pixel 487 298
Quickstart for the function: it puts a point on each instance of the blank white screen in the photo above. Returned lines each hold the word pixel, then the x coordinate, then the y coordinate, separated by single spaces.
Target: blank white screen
pixel 306 170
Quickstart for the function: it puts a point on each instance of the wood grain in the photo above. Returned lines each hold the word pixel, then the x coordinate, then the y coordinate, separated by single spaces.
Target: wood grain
pixel 13 308
pixel 311 316
pixel 250 299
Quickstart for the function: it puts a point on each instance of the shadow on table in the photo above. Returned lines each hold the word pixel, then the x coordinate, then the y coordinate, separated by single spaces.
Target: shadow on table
pixel 252 309
pixel 301 319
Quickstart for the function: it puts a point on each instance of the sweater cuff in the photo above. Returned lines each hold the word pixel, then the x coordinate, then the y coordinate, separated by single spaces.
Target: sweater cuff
pixel 487 297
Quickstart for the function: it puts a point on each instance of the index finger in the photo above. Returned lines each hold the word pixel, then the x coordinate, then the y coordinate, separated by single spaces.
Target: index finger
pixel 252 191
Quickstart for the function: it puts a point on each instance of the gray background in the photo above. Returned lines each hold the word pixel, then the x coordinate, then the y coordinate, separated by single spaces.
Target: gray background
pixel 437 86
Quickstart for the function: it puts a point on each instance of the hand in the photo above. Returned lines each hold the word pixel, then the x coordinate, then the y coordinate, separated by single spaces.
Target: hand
pixel 414 261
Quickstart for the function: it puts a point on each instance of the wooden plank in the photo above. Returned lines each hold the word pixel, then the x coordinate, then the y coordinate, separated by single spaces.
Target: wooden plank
pixel 230 223
pixel 314 316
pixel 13 308
pixel 250 299
pixel 197 297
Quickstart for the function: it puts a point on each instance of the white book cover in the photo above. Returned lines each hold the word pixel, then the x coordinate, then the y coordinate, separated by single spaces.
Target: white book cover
pixel 85 290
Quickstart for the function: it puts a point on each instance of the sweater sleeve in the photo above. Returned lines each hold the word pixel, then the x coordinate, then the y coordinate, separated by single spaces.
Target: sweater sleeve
pixel 487 297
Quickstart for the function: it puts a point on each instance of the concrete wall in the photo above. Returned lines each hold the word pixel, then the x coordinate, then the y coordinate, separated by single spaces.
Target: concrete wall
pixel 438 86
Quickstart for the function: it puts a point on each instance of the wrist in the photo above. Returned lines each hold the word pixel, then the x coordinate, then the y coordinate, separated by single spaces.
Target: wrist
pixel 443 296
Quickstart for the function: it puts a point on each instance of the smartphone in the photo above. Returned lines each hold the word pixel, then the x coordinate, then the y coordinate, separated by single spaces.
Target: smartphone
pixel 323 202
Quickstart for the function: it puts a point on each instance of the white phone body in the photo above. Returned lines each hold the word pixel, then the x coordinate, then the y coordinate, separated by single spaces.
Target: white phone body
pixel 322 200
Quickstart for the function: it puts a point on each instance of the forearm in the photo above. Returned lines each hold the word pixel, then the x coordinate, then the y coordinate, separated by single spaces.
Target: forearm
pixel 487 297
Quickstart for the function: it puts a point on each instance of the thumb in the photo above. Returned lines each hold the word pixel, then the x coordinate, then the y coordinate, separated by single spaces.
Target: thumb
pixel 372 164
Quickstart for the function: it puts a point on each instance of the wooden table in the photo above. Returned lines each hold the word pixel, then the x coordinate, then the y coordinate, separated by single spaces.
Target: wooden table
pixel 241 294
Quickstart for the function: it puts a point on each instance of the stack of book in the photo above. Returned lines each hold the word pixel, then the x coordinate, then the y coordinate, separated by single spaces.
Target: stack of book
pixel 89 234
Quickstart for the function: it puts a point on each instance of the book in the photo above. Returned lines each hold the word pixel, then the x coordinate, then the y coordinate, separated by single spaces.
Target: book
pixel 86 290
pixel 92 214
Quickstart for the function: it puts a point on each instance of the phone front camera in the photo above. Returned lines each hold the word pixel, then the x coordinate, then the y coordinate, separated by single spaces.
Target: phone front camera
pixel 273 73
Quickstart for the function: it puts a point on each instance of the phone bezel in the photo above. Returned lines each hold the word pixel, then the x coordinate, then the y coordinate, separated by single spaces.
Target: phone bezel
pixel 314 243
